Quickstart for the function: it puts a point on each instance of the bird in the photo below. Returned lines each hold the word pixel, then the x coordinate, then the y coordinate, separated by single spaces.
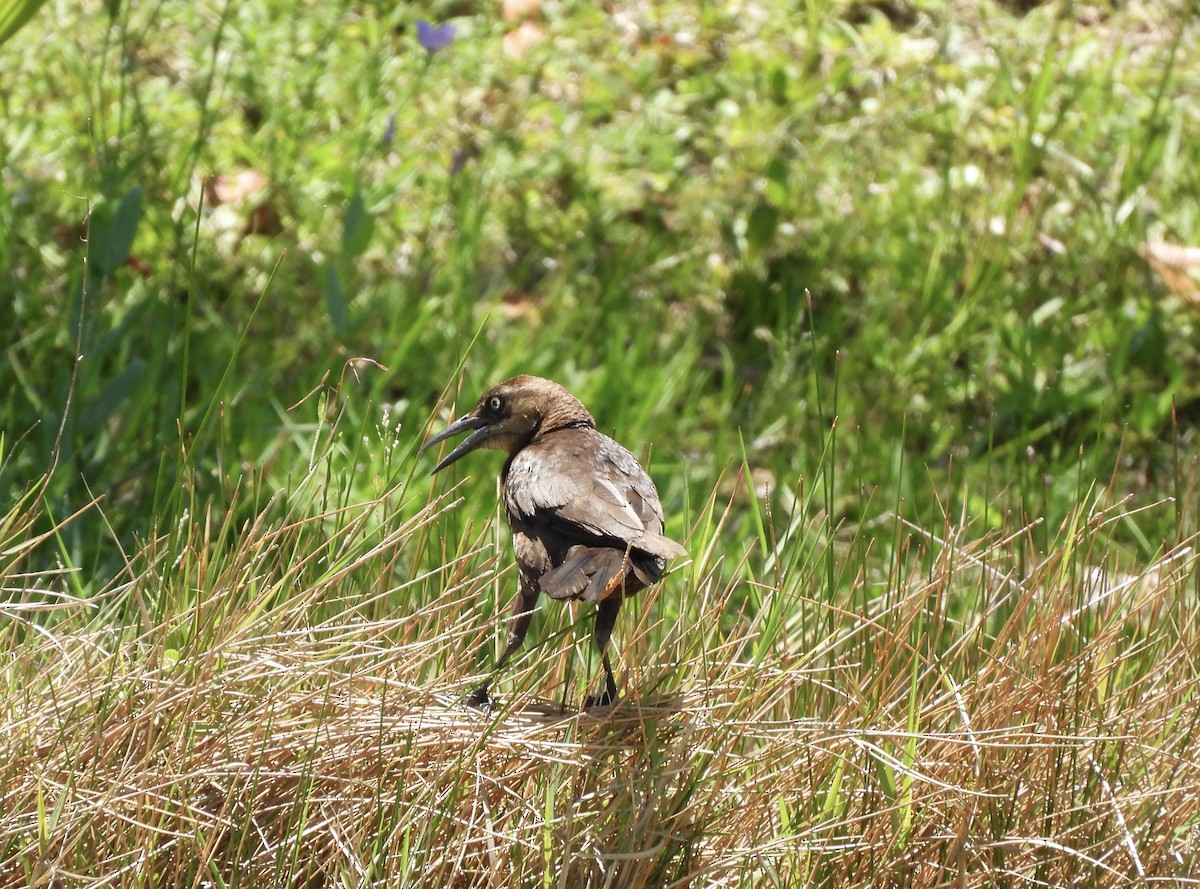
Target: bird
pixel 585 516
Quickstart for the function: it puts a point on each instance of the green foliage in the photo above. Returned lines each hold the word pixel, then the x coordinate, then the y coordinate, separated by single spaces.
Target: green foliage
pixel 14 14
pixel 865 283
pixel 111 229
pixel 692 232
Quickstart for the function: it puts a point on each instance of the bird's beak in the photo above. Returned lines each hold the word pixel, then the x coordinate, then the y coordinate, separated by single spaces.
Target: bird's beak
pixel 470 443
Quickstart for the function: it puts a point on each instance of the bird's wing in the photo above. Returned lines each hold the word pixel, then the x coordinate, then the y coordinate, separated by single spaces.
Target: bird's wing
pixel 580 480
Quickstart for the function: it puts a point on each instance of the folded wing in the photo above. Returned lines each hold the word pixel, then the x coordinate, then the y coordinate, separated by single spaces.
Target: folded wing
pixel 589 495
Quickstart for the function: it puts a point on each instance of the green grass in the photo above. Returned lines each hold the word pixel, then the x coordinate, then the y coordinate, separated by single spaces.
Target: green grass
pixel 864 283
pixel 285 710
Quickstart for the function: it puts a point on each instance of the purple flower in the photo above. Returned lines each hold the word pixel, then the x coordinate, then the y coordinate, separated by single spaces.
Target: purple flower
pixel 434 37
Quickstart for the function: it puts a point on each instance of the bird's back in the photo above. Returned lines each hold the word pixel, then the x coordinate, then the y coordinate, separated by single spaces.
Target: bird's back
pixel 585 516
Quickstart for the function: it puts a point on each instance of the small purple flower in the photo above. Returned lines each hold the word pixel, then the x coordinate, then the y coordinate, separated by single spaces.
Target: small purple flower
pixel 458 161
pixel 434 37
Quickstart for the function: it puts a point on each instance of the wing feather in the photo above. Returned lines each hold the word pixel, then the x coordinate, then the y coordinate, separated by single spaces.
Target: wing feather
pixel 585 485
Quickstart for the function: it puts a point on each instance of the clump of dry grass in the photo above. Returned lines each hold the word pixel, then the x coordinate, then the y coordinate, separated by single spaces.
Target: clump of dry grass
pixel 283 710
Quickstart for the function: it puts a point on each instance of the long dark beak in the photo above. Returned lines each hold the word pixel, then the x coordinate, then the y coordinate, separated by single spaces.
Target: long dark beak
pixel 470 443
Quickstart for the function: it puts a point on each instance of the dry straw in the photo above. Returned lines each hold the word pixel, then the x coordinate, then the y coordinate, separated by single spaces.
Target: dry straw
pixel 297 723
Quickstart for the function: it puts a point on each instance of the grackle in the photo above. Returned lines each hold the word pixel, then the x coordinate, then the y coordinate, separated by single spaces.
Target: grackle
pixel 585 517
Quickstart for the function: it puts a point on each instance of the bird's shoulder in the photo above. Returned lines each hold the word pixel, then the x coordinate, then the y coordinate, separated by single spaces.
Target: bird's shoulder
pixel 585 478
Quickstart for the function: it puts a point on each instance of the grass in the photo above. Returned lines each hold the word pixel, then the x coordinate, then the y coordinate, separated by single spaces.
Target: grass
pixel 274 719
pixel 865 286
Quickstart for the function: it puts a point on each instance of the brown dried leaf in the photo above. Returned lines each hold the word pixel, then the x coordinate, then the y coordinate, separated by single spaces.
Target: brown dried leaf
pixel 515 10
pixel 263 220
pixel 1177 265
pixel 1177 255
pixel 526 37
pixel 518 304
pixel 226 189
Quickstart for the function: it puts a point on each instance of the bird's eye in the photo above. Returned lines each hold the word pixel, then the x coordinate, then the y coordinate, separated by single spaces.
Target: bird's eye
pixel 494 403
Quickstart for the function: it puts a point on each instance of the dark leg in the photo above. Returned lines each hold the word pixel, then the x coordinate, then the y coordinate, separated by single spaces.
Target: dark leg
pixel 606 618
pixel 518 626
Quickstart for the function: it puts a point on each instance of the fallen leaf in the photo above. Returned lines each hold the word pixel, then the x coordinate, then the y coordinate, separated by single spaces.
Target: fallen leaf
pixel 1177 265
pixel 138 266
pixel 514 10
pixel 262 220
pixel 518 304
pixel 526 37
pixel 227 189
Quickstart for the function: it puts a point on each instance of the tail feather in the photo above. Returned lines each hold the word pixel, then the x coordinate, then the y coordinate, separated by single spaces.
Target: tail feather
pixel 586 573
pixel 594 573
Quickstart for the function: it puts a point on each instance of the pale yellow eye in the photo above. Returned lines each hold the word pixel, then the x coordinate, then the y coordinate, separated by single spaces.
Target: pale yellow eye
pixel 494 403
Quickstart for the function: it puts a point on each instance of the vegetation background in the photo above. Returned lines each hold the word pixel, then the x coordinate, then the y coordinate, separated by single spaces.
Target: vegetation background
pixel 897 299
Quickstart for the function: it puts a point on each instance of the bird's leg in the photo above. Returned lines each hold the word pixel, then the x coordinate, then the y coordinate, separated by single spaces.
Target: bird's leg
pixel 606 618
pixel 518 626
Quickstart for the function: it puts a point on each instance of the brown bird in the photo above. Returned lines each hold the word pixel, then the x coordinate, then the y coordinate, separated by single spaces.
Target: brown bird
pixel 585 517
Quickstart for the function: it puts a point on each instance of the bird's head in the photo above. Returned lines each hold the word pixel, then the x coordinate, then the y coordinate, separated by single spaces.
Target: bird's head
pixel 511 415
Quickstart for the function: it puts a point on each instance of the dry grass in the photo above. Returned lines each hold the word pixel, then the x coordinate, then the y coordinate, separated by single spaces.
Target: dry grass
pixel 295 723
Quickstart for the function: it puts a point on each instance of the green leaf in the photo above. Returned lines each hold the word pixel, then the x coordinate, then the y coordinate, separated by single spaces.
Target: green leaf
pixel 1149 343
pixel 14 14
pixel 111 231
pixel 335 299
pixel 779 86
pixel 777 171
pixel 761 226
pixel 115 393
pixel 357 227
pixel 777 182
